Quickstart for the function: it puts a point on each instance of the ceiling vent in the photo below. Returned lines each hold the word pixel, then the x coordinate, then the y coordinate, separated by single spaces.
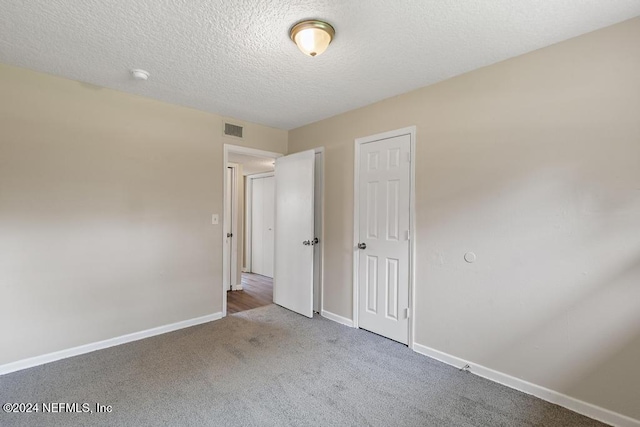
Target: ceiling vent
pixel 233 130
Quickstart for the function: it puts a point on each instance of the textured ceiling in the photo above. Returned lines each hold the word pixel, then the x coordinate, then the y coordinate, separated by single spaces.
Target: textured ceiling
pixel 251 164
pixel 234 57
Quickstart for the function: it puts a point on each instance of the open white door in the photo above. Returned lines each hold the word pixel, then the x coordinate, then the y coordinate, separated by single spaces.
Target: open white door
pixel 294 239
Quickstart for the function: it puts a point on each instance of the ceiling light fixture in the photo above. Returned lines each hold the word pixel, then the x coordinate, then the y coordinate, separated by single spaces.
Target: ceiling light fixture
pixel 312 37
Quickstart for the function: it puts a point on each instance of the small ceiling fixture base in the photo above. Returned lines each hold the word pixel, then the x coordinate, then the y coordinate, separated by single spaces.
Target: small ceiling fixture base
pixel 312 36
pixel 139 74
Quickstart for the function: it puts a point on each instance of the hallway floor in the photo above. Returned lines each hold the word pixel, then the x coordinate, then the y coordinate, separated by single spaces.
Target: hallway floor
pixel 257 291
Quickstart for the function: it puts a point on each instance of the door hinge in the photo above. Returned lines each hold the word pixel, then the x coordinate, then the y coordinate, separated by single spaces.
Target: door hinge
pixel 407 313
pixel 408 235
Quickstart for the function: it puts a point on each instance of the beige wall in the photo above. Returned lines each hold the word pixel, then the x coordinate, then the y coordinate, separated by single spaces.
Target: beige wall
pixel 105 212
pixel 534 164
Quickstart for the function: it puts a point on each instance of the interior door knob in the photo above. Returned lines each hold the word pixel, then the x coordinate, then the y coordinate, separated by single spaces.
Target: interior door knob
pixel 307 242
pixel 362 246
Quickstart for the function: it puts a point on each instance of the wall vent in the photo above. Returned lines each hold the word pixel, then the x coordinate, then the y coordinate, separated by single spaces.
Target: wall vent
pixel 233 130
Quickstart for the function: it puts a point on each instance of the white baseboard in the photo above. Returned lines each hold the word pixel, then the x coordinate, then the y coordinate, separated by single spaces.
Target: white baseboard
pixel 336 318
pixel 88 348
pixel 543 393
pixel 237 287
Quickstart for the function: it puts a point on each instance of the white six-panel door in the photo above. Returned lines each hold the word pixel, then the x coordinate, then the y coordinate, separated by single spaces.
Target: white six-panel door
pixel 384 183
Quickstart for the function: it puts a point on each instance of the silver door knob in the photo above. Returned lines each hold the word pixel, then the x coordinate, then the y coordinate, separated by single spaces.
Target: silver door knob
pixel 362 246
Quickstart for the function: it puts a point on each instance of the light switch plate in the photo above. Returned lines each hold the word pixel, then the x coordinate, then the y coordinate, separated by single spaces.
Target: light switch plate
pixel 214 219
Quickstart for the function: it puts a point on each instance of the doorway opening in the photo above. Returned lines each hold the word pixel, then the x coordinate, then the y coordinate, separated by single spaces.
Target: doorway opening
pixel 257 291
pixel 248 228
pixel 250 235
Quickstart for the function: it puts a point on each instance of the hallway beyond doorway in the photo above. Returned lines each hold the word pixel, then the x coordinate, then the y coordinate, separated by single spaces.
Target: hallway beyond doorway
pixel 257 291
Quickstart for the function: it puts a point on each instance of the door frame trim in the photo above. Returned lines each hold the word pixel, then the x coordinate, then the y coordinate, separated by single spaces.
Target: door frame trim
pixel 411 131
pixel 236 169
pixel 226 149
pixel 321 152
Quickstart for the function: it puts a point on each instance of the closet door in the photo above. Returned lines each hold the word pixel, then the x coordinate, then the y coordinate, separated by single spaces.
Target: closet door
pixel 268 211
pixel 256 225
pixel 262 234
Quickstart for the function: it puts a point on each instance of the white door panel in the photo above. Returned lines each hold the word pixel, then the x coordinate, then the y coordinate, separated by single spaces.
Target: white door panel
pixel 383 266
pixel 268 233
pixel 262 234
pixel 294 186
pixel 257 220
